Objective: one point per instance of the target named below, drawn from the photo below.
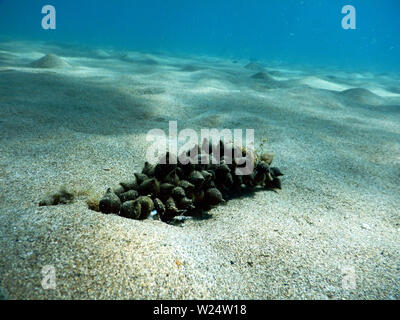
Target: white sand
(339, 206)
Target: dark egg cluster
(174, 187)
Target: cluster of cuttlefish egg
(183, 189)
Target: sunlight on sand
(319, 83)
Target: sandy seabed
(332, 232)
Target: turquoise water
(303, 32)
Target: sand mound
(264, 81)
(262, 75)
(254, 66)
(362, 96)
(50, 61)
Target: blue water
(293, 31)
